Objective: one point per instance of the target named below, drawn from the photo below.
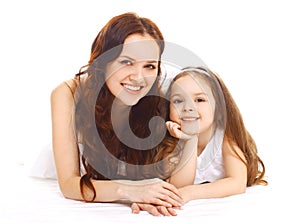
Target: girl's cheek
(174, 115)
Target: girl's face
(131, 75)
(192, 105)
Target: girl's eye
(126, 62)
(177, 101)
(199, 100)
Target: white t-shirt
(210, 166)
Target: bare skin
(136, 70)
(195, 102)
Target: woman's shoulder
(67, 87)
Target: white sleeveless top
(210, 166)
(44, 165)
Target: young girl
(227, 159)
(100, 119)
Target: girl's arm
(67, 163)
(185, 174)
(234, 182)
(182, 177)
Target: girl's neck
(203, 139)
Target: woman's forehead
(140, 47)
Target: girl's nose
(188, 107)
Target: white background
(253, 45)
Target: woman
(100, 119)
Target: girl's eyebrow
(130, 58)
(196, 94)
(201, 93)
(177, 94)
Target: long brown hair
(103, 152)
(227, 116)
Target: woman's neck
(120, 114)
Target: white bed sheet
(34, 200)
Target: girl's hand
(186, 193)
(152, 191)
(154, 210)
(175, 131)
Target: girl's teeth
(132, 88)
(188, 119)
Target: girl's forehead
(189, 84)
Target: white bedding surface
(32, 200)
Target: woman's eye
(150, 66)
(126, 62)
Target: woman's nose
(136, 73)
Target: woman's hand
(154, 210)
(151, 191)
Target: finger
(169, 201)
(151, 209)
(176, 131)
(166, 199)
(172, 211)
(177, 208)
(172, 191)
(135, 208)
(173, 128)
(163, 210)
(160, 201)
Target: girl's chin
(190, 128)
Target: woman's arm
(67, 163)
(234, 182)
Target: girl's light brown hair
(233, 124)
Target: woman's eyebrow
(130, 58)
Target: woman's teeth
(132, 88)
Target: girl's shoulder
(231, 148)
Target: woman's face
(192, 105)
(131, 75)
